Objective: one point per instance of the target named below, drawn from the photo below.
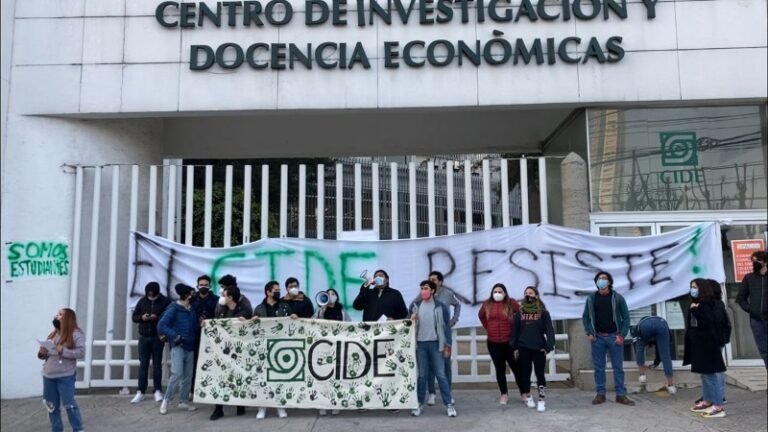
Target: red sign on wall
(742, 251)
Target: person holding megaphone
(329, 307)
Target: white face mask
(332, 298)
(498, 296)
(223, 301)
(293, 291)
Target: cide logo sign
(679, 149)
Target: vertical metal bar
(487, 211)
(189, 210)
(468, 197)
(543, 190)
(92, 263)
(358, 198)
(375, 198)
(283, 200)
(339, 199)
(302, 201)
(74, 282)
(394, 195)
(152, 210)
(208, 212)
(111, 269)
(524, 191)
(450, 197)
(473, 351)
(413, 216)
(177, 200)
(264, 201)
(227, 206)
(504, 193)
(320, 201)
(431, 197)
(127, 353)
(247, 186)
(170, 226)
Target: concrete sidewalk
(567, 410)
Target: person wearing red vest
(496, 315)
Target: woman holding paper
(61, 350)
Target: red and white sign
(742, 252)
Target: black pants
(502, 355)
(538, 359)
(194, 365)
(150, 347)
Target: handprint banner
(307, 363)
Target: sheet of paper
(47, 344)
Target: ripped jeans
(61, 391)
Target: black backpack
(723, 326)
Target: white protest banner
(562, 262)
(280, 362)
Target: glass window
(665, 159)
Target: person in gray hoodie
(60, 369)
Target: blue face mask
(695, 292)
(602, 283)
(379, 280)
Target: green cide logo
(679, 149)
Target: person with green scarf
(532, 338)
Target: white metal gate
(161, 200)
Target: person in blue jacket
(178, 326)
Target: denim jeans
(150, 347)
(606, 344)
(658, 330)
(57, 391)
(448, 374)
(760, 332)
(712, 388)
(430, 359)
(182, 362)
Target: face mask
(695, 292)
(498, 296)
(56, 323)
(425, 295)
(379, 280)
(203, 290)
(332, 299)
(756, 266)
(223, 301)
(293, 291)
(602, 283)
(530, 299)
(152, 296)
(276, 296)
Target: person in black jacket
(204, 304)
(148, 311)
(532, 338)
(300, 305)
(753, 299)
(377, 299)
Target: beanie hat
(183, 290)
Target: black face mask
(203, 291)
(276, 296)
(756, 266)
(56, 324)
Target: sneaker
(261, 413)
(282, 413)
(138, 398)
(714, 413)
(159, 396)
(529, 402)
(164, 407)
(541, 406)
(334, 412)
(642, 378)
(187, 406)
(431, 399)
(217, 413)
(394, 411)
(599, 398)
(671, 389)
(504, 399)
(624, 400)
(416, 412)
(451, 410)
(725, 402)
(701, 407)
(240, 411)
(322, 413)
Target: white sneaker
(671, 389)
(642, 378)
(541, 406)
(164, 407)
(159, 396)
(334, 412)
(416, 412)
(138, 398)
(282, 413)
(322, 413)
(451, 410)
(261, 413)
(431, 399)
(529, 402)
(187, 406)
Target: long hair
(488, 304)
(705, 290)
(66, 329)
(541, 306)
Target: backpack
(722, 326)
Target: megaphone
(322, 298)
